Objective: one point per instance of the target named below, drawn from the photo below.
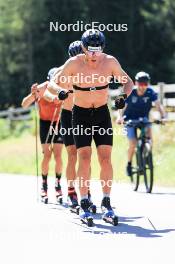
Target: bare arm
(37, 90)
(160, 108)
(122, 77)
(62, 79)
(28, 100)
(40, 88)
(49, 96)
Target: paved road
(31, 232)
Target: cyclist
(138, 105)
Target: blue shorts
(131, 134)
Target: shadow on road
(127, 229)
(158, 193)
(163, 193)
(126, 225)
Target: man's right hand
(120, 101)
(63, 94)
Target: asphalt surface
(32, 232)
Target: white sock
(106, 195)
(84, 197)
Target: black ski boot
(109, 216)
(85, 215)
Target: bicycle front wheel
(148, 171)
(135, 172)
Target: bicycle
(143, 157)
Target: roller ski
(59, 198)
(108, 214)
(58, 191)
(44, 197)
(72, 200)
(92, 207)
(85, 215)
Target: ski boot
(85, 215)
(92, 207)
(108, 214)
(59, 195)
(44, 197)
(72, 200)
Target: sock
(89, 191)
(106, 195)
(129, 163)
(44, 177)
(57, 182)
(58, 176)
(84, 197)
(71, 190)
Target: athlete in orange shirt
(49, 113)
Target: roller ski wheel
(93, 208)
(110, 217)
(87, 219)
(75, 209)
(73, 204)
(44, 199)
(85, 215)
(59, 197)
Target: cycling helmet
(93, 38)
(142, 77)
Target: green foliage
(4, 129)
(15, 128)
(21, 151)
(28, 49)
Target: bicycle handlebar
(142, 123)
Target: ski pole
(57, 123)
(36, 149)
(51, 124)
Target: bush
(4, 129)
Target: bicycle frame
(141, 139)
(144, 163)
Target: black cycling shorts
(92, 123)
(44, 130)
(66, 127)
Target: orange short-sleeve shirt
(47, 110)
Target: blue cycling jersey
(139, 106)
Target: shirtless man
(90, 109)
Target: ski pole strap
(90, 88)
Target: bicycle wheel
(148, 171)
(135, 172)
